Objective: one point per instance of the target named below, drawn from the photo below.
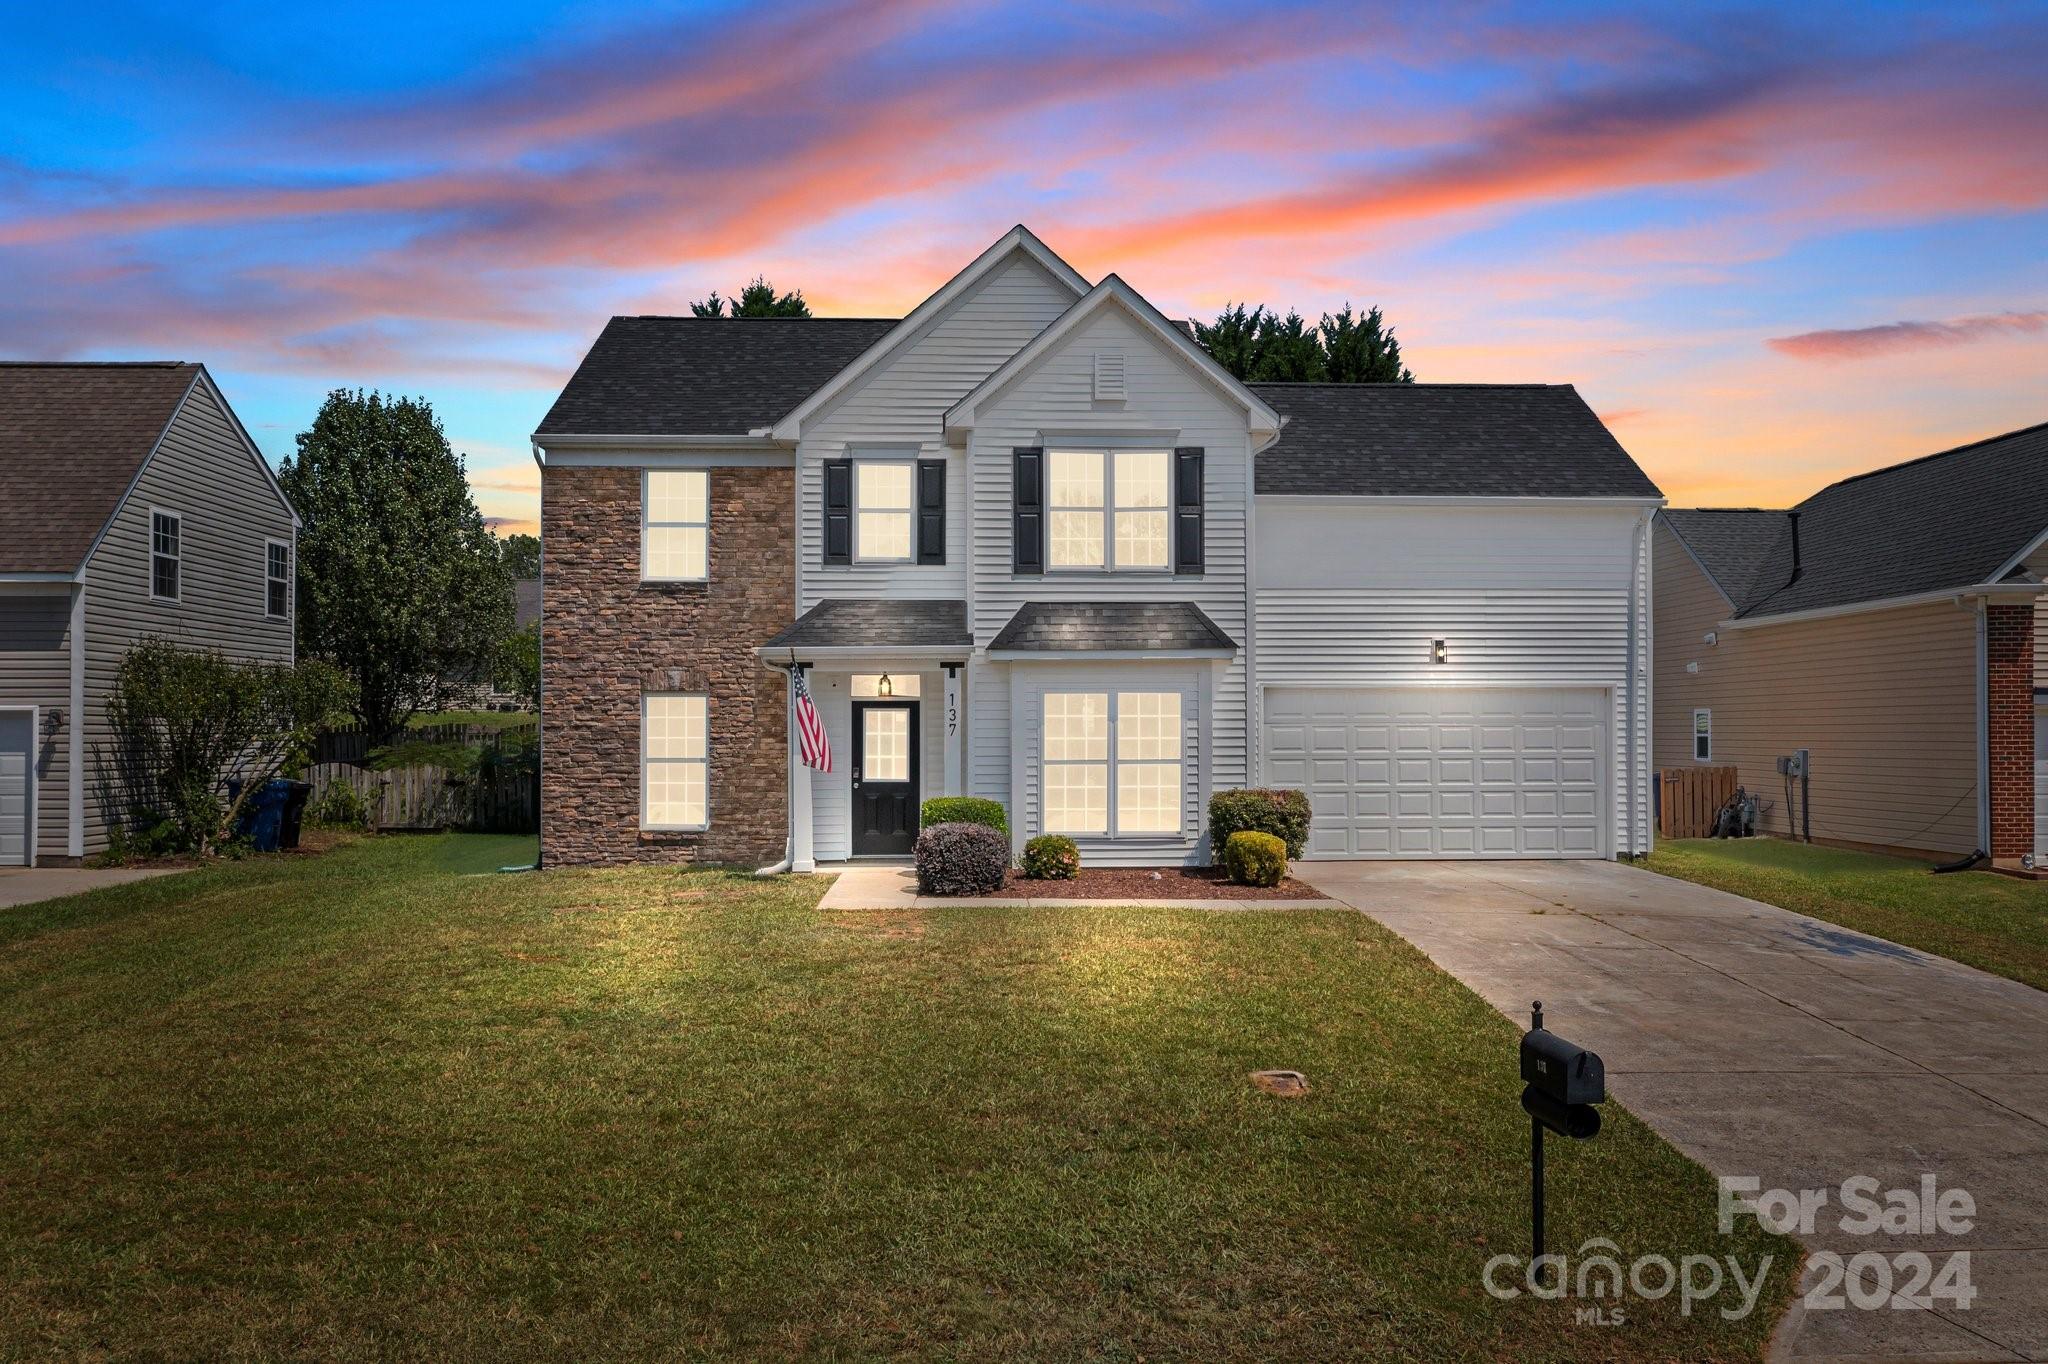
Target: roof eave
(2002, 591)
(1104, 655)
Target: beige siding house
(1885, 626)
(136, 506)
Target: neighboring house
(1887, 625)
(1032, 543)
(135, 505)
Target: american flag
(816, 747)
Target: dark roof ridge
(692, 317)
(1393, 384)
(99, 364)
(1938, 454)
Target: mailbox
(1561, 1071)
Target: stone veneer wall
(2009, 678)
(608, 639)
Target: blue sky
(1771, 245)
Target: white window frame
(647, 523)
(906, 459)
(269, 578)
(1698, 734)
(1109, 509)
(177, 556)
(647, 764)
(1111, 762)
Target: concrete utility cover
(1288, 1084)
(1768, 1045)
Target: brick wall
(2009, 662)
(608, 639)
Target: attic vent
(1109, 376)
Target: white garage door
(1444, 772)
(17, 736)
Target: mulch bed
(1153, 883)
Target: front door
(884, 778)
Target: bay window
(1112, 763)
(675, 526)
(675, 761)
(1109, 508)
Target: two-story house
(132, 505)
(1031, 542)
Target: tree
(1259, 345)
(522, 556)
(401, 586)
(758, 299)
(518, 669)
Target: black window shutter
(1187, 509)
(931, 511)
(838, 511)
(1027, 520)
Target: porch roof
(1111, 627)
(877, 623)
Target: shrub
(1283, 814)
(340, 806)
(1255, 859)
(964, 810)
(961, 859)
(1052, 857)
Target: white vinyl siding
(35, 670)
(230, 510)
(1355, 596)
(675, 525)
(899, 405)
(675, 761)
(1051, 405)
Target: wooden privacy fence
(502, 800)
(1688, 799)
(351, 743)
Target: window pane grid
(277, 571)
(882, 498)
(1109, 509)
(1132, 748)
(675, 748)
(675, 526)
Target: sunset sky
(1770, 245)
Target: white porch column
(800, 856)
(956, 728)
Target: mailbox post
(1561, 1084)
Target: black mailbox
(1561, 1071)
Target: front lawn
(1996, 923)
(385, 1103)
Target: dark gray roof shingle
(1443, 440)
(877, 623)
(1731, 543)
(1947, 520)
(1110, 627)
(704, 376)
(72, 437)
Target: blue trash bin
(262, 820)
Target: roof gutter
(2000, 591)
(751, 440)
(1450, 500)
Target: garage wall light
(1437, 653)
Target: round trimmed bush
(964, 810)
(1052, 857)
(1277, 811)
(1255, 859)
(961, 859)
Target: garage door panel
(1452, 773)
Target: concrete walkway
(26, 885)
(892, 885)
(1767, 1044)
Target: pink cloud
(1856, 343)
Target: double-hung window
(675, 526)
(883, 499)
(675, 761)
(1109, 509)
(1703, 736)
(166, 539)
(277, 578)
(1112, 762)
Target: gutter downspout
(1983, 725)
(1631, 679)
(788, 790)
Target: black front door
(884, 778)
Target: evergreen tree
(401, 585)
(522, 556)
(1289, 350)
(1233, 338)
(758, 299)
(1259, 345)
(1362, 351)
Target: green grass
(374, 1104)
(1996, 923)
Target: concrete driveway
(1767, 1044)
(26, 885)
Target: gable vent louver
(1109, 376)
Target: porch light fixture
(1437, 653)
(885, 687)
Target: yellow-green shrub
(1255, 859)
